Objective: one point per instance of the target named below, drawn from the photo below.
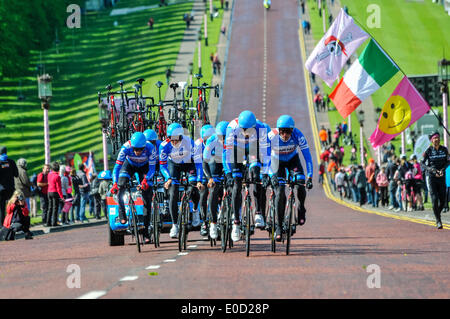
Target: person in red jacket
(55, 195)
(17, 218)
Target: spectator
(321, 172)
(187, 18)
(17, 218)
(302, 4)
(55, 195)
(371, 182)
(75, 209)
(383, 183)
(418, 183)
(325, 156)
(329, 136)
(84, 192)
(34, 194)
(318, 101)
(390, 172)
(22, 181)
(353, 188)
(150, 23)
(323, 136)
(105, 186)
(361, 183)
(95, 184)
(168, 75)
(211, 58)
(332, 169)
(340, 182)
(8, 171)
(42, 183)
(223, 30)
(66, 191)
(217, 62)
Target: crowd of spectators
(62, 191)
(397, 184)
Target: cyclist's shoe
(28, 235)
(196, 219)
(204, 230)
(213, 231)
(174, 231)
(301, 218)
(236, 232)
(259, 221)
(278, 234)
(293, 229)
(439, 225)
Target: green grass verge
(91, 57)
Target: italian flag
(366, 75)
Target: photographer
(435, 161)
(17, 218)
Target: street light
(360, 116)
(45, 95)
(444, 76)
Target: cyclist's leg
(296, 171)
(279, 169)
(257, 191)
(236, 196)
(147, 196)
(174, 171)
(124, 176)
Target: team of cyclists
(243, 150)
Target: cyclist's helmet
(174, 129)
(285, 121)
(247, 120)
(105, 175)
(221, 128)
(150, 135)
(138, 140)
(206, 131)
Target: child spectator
(383, 183)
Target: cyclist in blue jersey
(246, 141)
(213, 156)
(284, 141)
(205, 132)
(176, 155)
(135, 156)
(152, 137)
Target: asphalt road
(338, 253)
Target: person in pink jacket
(55, 195)
(383, 183)
(418, 183)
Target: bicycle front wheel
(247, 228)
(155, 221)
(289, 227)
(136, 229)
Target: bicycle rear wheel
(224, 226)
(272, 228)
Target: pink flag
(404, 107)
(334, 49)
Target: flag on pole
(366, 75)
(334, 49)
(404, 107)
(90, 166)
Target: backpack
(35, 190)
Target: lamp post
(103, 117)
(443, 71)
(199, 52)
(45, 95)
(360, 115)
(206, 28)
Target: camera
(20, 198)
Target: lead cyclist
(285, 141)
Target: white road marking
(265, 69)
(153, 267)
(183, 254)
(170, 260)
(129, 278)
(93, 295)
(192, 246)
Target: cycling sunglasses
(138, 149)
(286, 131)
(175, 138)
